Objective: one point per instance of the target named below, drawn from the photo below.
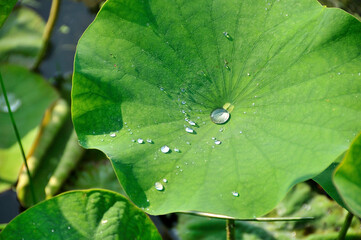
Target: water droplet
(140, 141)
(226, 34)
(161, 88)
(133, 140)
(14, 103)
(188, 143)
(236, 194)
(213, 138)
(189, 130)
(52, 230)
(253, 104)
(191, 123)
(184, 102)
(165, 149)
(248, 74)
(177, 150)
(219, 116)
(68, 227)
(158, 186)
(226, 65)
(165, 180)
(217, 142)
(113, 135)
(149, 140)
(104, 221)
(240, 132)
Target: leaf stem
(345, 226)
(230, 228)
(18, 139)
(54, 10)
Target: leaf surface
(21, 37)
(347, 177)
(92, 214)
(5, 8)
(288, 69)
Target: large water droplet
(219, 116)
(165, 149)
(158, 186)
(140, 141)
(14, 103)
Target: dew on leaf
(165, 149)
(165, 180)
(236, 194)
(191, 123)
(219, 116)
(184, 102)
(140, 141)
(104, 221)
(177, 150)
(189, 130)
(112, 134)
(158, 186)
(149, 140)
(226, 34)
(217, 142)
(14, 103)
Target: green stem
(18, 138)
(54, 10)
(345, 226)
(230, 228)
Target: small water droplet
(112, 134)
(68, 227)
(189, 130)
(219, 116)
(165, 149)
(213, 138)
(165, 180)
(217, 142)
(140, 141)
(104, 221)
(226, 34)
(158, 186)
(253, 104)
(236, 194)
(161, 88)
(248, 74)
(149, 140)
(133, 140)
(177, 150)
(240, 132)
(184, 102)
(52, 230)
(14, 103)
(191, 123)
(188, 143)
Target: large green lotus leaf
(289, 69)
(29, 97)
(21, 37)
(347, 177)
(5, 8)
(91, 214)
